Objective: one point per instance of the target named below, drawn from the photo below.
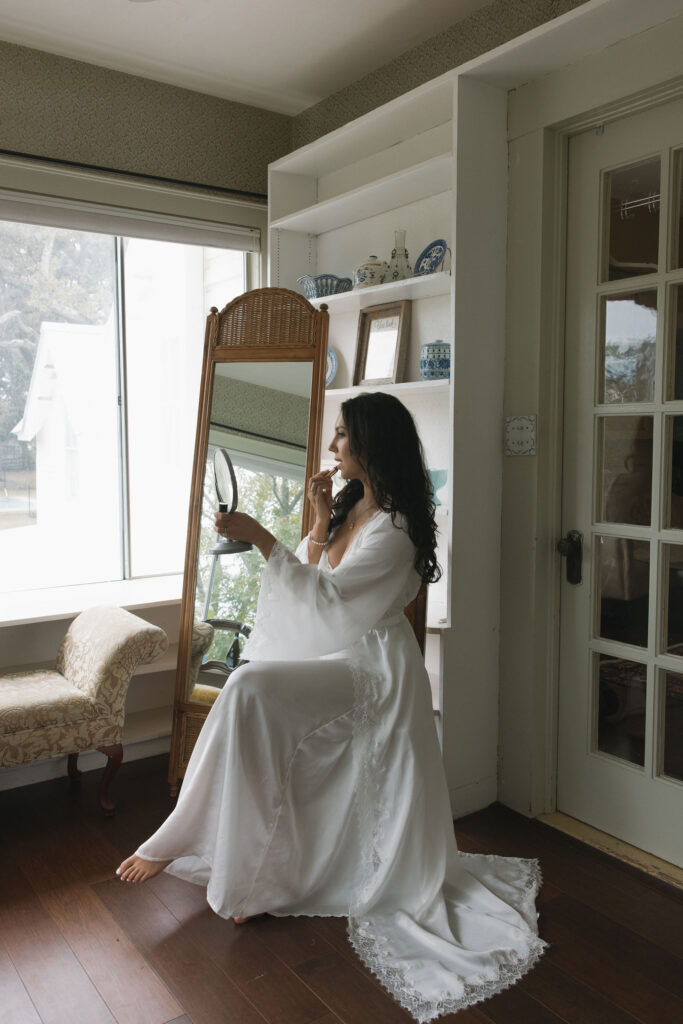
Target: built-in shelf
(424, 287)
(415, 387)
(332, 191)
(408, 115)
(429, 178)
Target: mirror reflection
(259, 415)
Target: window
(271, 490)
(101, 340)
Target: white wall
(470, 648)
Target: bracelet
(318, 543)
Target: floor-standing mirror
(261, 402)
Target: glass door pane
(673, 476)
(622, 688)
(628, 335)
(625, 469)
(623, 570)
(674, 390)
(673, 598)
(632, 223)
(672, 761)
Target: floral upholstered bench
(80, 704)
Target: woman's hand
(320, 496)
(240, 526)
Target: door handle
(571, 548)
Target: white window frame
(43, 193)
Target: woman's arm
(305, 612)
(240, 526)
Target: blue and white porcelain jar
(435, 360)
(373, 271)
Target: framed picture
(382, 343)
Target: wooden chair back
(416, 613)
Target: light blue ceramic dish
(331, 369)
(324, 284)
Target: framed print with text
(382, 343)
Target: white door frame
(543, 116)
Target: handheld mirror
(226, 489)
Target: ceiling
(283, 55)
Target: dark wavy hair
(384, 440)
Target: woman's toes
(136, 869)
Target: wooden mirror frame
(264, 325)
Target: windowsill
(27, 606)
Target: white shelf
(410, 114)
(423, 287)
(429, 178)
(343, 182)
(413, 387)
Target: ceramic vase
(399, 267)
(373, 271)
(435, 360)
(438, 478)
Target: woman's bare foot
(243, 920)
(135, 869)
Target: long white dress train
(317, 788)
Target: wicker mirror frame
(264, 325)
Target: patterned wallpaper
(260, 410)
(67, 110)
(487, 28)
(72, 111)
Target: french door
(620, 753)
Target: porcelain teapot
(372, 271)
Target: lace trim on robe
(367, 941)
(371, 947)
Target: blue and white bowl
(435, 360)
(323, 284)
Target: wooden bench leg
(114, 755)
(72, 767)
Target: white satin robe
(317, 788)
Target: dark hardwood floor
(79, 947)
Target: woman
(316, 786)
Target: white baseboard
(473, 797)
(146, 733)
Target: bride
(316, 786)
